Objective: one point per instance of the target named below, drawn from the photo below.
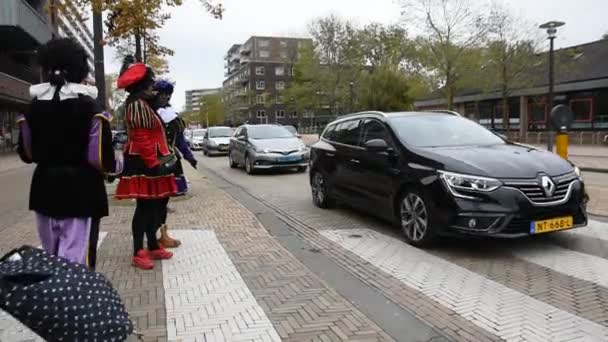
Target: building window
(279, 71)
(280, 114)
(260, 99)
(283, 54)
(264, 54)
(279, 99)
(283, 44)
(261, 113)
(260, 71)
(294, 114)
(260, 85)
(537, 110)
(582, 109)
(280, 85)
(264, 43)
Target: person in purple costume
(174, 129)
(67, 193)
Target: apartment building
(71, 25)
(257, 72)
(24, 26)
(194, 97)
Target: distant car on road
(217, 140)
(437, 174)
(265, 147)
(196, 139)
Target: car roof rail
(445, 111)
(361, 113)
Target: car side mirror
(376, 145)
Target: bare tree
(511, 46)
(449, 29)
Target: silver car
(196, 139)
(217, 140)
(265, 147)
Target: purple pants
(67, 237)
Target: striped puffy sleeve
(138, 114)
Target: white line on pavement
(569, 262)
(595, 229)
(494, 307)
(205, 296)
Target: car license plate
(223, 147)
(287, 159)
(546, 226)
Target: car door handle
(355, 161)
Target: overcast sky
(200, 42)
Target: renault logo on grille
(547, 185)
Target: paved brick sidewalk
(10, 161)
(299, 305)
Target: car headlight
(261, 150)
(458, 183)
(302, 148)
(578, 172)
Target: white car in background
(196, 139)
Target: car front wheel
(416, 218)
(231, 162)
(320, 195)
(248, 165)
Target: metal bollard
(561, 143)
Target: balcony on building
(246, 49)
(245, 60)
(23, 24)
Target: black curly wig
(63, 60)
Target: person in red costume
(148, 163)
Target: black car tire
(320, 191)
(249, 166)
(231, 162)
(415, 207)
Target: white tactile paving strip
(579, 265)
(205, 296)
(594, 229)
(494, 307)
(12, 330)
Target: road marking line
(575, 264)
(595, 229)
(494, 307)
(205, 296)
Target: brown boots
(167, 241)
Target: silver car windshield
(269, 132)
(220, 132)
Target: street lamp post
(551, 28)
(351, 85)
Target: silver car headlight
(578, 172)
(261, 150)
(302, 148)
(458, 183)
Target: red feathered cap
(135, 73)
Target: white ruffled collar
(168, 114)
(45, 91)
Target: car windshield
(198, 133)
(442, 131)
(291, 129)
(269, 132)
(220, 132)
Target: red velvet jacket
(146, 134)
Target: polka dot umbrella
(60, 300)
